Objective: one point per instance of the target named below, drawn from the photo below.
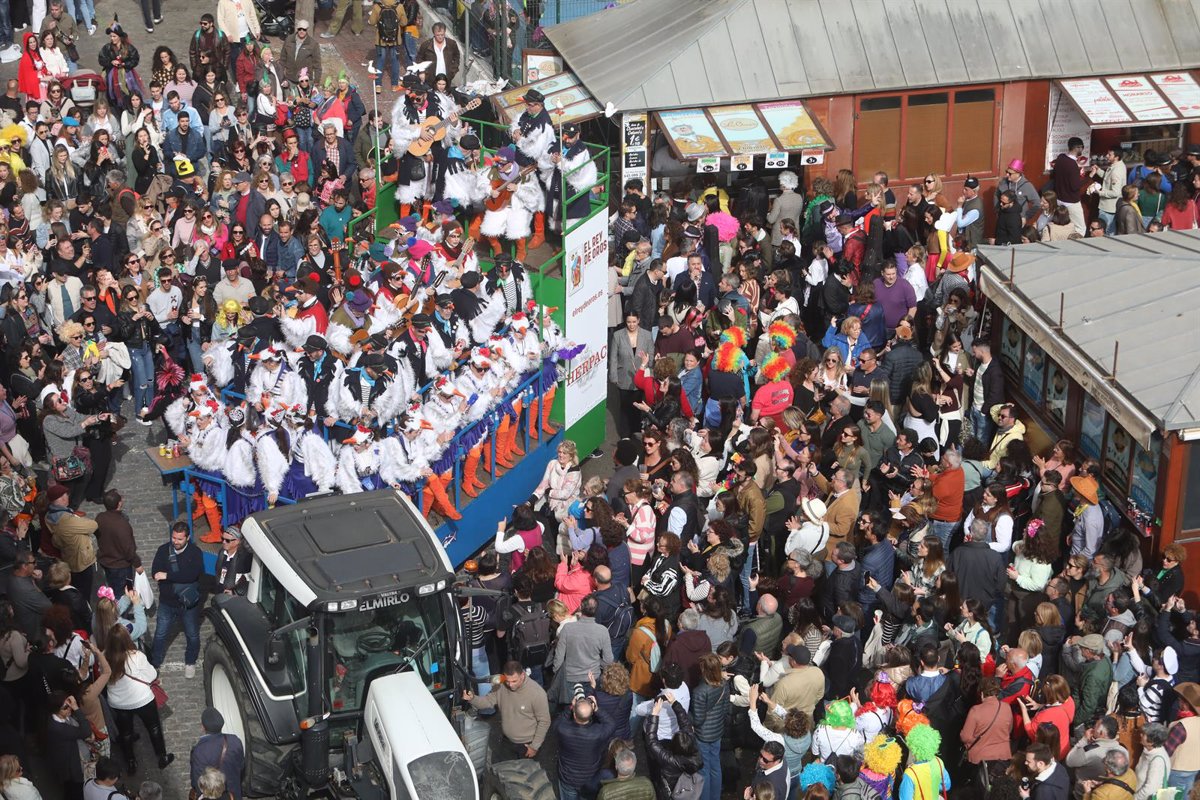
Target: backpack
(620, 622)
(1112, 517)
(388, 28)
(688, 787)
(531, 634)
(655, 650)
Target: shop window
(1033, 375)
(1012, 346)
(878, 134)
(909, 136)
(973, 147)
(1118, 450)
(1058, 384)
(1091, 427)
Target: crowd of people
(826, 546)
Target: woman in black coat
(68, 726)
(91, 398)
(670, 758)
(662, 579)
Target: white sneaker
(10, 54)
(91, 30)
(327, 35)
(189, 671)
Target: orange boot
(539, 232)
(426, 207)
(503, 451)
(212, 512)
(405, 210)
(521, 254)
(473, 229)
(471, 483)
(486, 446)
(436, 486)
(547, 407)
(514, 439)
(495, 245)
(197, 505)
(532, 425)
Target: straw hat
(815, 510)
(1087, 488)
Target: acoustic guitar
(504, 190)
(421, 147)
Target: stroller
(275, 17)
(84, 88)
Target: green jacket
(638, 787)
(1091, 694)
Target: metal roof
(1142, 291)
(655, 54)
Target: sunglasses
(85, 378)
(228, 539)
(156, 228)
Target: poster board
(564, 88)
(793, 125)
(691, 133)
(635, 138)
(1063, 122)
(1092, 97)
(538, 64)
(585, 273)
(1137, 93)
(742, 129)
(1181, 90)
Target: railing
(188, 487)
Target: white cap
(302, 23)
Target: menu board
(792, 125)
(1118, 450)
(1140, 97)
(1181, 89)
(1095, 101)
(691, 133)
(1091, 427)
(742, 129)
(562, 90)
(1064, 121)
(1144, 486)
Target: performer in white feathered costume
(205, 444)
(512, 218)
(177, 413)
(476, 384)
(365, 464)
(415, 175)
(245, 493)
(274, 381)
(533, 134)
(447, 339)
(273, 450)
(571, 160)
(229, 363)
(453, 255)
(505, 374)
(366, 392)
(445, 413)
(422, 447)
(466, 184)
(313, 466)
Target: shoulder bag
(160, 694)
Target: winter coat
(581, 748)
(709, 710)
(670, 765)
(685, 650)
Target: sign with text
(743, 163)
(585, 270)
(1063, 122)
(634, 158)
(708, 164)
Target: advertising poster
(1091, 427)
(1140, 97)
(1144, 487)
(585, 271)
(742, 128)
(634, 139)
(792, 125)
(1118, 450)
(1064, 122)
(1093, 99)
(1011, 340)
(1034, 374)
(691, 133)
(1056, 393)
(1181, 89)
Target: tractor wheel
(523, 779)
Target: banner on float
(585, 272)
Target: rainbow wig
(817, 772)
(882, 755)
(781, 334)
(839, 714)
(775, 367)
(923, 743)
(735, 335)
(729, 356)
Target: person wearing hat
(1090, 690)
(369, 462)
(72, 533)
(810, 534)
(533, 136)
(307, 317)
(969, 214)
(313, 465)
(803, 685)
(274, 382)
(118, 57)
(233, 563)
(572, 159)
(204, 438)
(454, 254)
(366, 391)
(222, 751)
(1089, 517)
(317, 369)
(512, 200)
(417, 179)
(1027, 197)
(352, 317)
(512, 281)
(299, 52)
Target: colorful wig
(883, 691)
(923, 742)
(818, 773)
(882, 755)
(729, 357)
(839, 714)
(735, 335)
(775, 367)
(782, 335)
(907, 716)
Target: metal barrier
(189, 488)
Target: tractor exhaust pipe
(314, 730)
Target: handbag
(20, 450)
(160, 694)
(67, 469)
(689, 786)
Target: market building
(1097, 339)
(909, 88)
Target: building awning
(1151, 316)
(1123, 101)
(563, 89)
(742, 129)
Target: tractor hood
(414, 742)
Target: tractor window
(281, 609)
(407, 634)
